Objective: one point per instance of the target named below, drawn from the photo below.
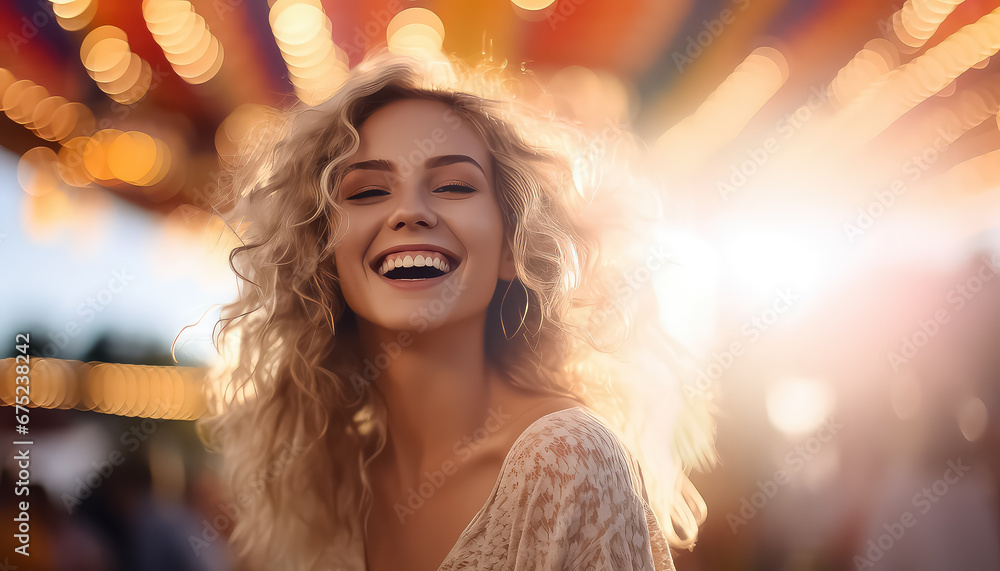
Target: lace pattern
(569, 496)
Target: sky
(113, 269)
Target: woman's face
(424, 242)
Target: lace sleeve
(580, 505)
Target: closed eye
(461, 188)
(366, 193)
(456, 187)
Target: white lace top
(569, 496)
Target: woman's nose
(412, 208)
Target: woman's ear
(506, 269)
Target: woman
(424, 291)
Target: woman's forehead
(413, 130)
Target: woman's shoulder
(529, 420)
(572, 442)
(573, 423)
(571, 487)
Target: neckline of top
(503, 467)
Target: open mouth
(415, 266)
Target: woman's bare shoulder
(519, 412)
(557, 421)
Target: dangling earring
(523, 315)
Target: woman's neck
(436, 386)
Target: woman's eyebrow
(442, 160)
(433, 162)
(374, 164)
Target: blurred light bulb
(798, 406)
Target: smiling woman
(430, 312)
(445, 207)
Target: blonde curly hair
(290, 377)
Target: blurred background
(831, 176)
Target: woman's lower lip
(417, 284)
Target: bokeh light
(108, 58)
(973, 419)
(799, 406)
(317, 67)
(36, 171)
(195, 54)
(74, 15)
(532, 4)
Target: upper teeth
(410, 259)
